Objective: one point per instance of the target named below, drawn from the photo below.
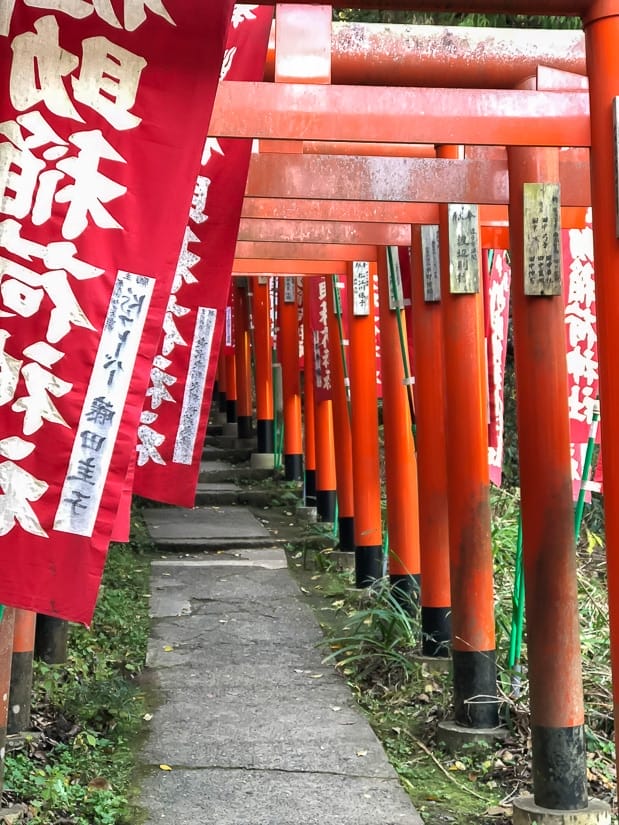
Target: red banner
(497, 291)
(321, 349)
(581, 335)
(101, 129)
(580, 328)
(174, 419)
(376, 297)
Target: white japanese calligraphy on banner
(39, 168)
(194, 387)
(174, 416)
(100, 419)
(94, 110)
(498, 286)
(134, 11)
(319, 321)
(580, 326)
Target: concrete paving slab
(244, 736)
(224, 797)
(225, 584)
(188, 634)
(233, 698)
(255, 726)
(210, 528)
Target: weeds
(89, 710)
(373, 645)
(382, 636)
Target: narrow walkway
(256, 730)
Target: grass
(90, 710)
(373, 643)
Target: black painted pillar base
(559, 767)
(368, 564)
(50, 644)
(346, 532)
(293, 467)
(246, 426)
(223, 402)
(476, 703)
(406, 590)
(435, 631)
(231, 414)
(326, 504)
(310, 488)
(20, 695)
(265, 435)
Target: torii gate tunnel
(347, 170)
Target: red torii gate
(312, 122)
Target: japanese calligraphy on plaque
(463, 249)
(361, 288)
(542, 239)
(431, 263)
(396, 293)
(290, 290)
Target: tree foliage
(512, 21)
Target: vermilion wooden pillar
(326, 482)
(341, 425)
(468, 487)
(291, 389)
(21, 671)
(364, 425)
(309, 422)
(231, 396)
(400, 458)
(6, 645)
(242, 355)
(602, 37)
(221, 382)
(325, 479)
(549, 553)
(427, 323)
(263, 366)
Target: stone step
(229, 442)
(221, 493)
(206, 529)
(223, 471)
(234, 455)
